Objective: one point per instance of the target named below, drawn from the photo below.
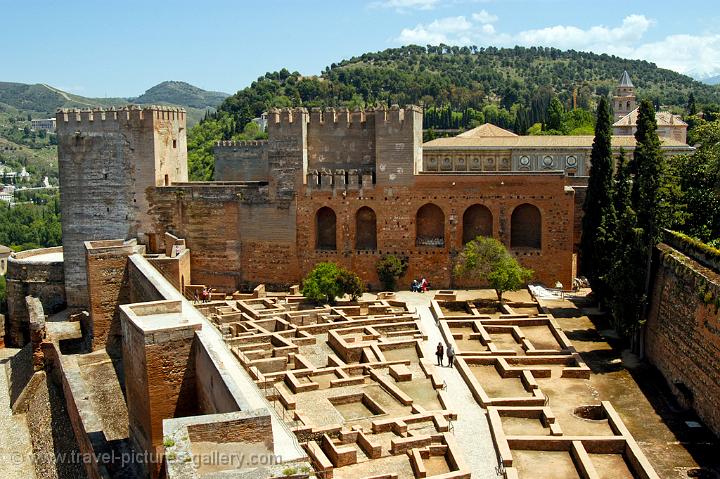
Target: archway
(365, 229)
(430, 226)
(526, 227)
(325, 229)
(477, 221)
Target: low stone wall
(37, 273)
(682, 337)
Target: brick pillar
(159, 371)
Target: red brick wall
(682, 337)
(240, 238)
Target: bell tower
(624, 99)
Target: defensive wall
(682, 337)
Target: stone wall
(107, 289)
(37, 273)
(682, 336)
(241, 161)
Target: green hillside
(181, 93)
(459, 87)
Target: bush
(389, 269)
(327, 281)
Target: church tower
(624, 99)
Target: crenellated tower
(107, 161)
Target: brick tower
(107, 160)
(624, 99)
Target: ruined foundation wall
(26, 276)
(682, 336)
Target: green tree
(351, 284)
(389, 269)
(487, 259)
(691, 105)
(598, 202)
(328, 281)
(555, 114)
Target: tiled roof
(541, 141)
(663, 118)
(625, 79)
(486, 130)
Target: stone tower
(624, 99)
(107, 161)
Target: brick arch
(365, 228)
(430, 226)
(526, 227)
(325, 229)
(477, 221)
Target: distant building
(626, 112)
(47, 124)
(4, 254)
(261, 121)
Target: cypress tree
(598, 200)
(648, 166)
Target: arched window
(430, 226)
(365, 229)
(526, 227)
(628, 105)
(477, 221)
(325, 229)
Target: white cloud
(697, 55)
(484, 17)
(439, 31)
(631, 30)
(406, 4)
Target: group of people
(440, 352)
(419, 286)
(205, 295)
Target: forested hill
(464, 77)
(458, 86)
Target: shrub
(327, 281)
(389, 269)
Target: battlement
(76, 117)
(342, 117)
(326, 179)
(240, 144)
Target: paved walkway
(472, 431)
(15, 444)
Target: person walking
(450, 355)
(423, 285)
(439, 352)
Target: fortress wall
(340, 139)
(237, 235)
(682, 335)
(241, 161)
(396, 225)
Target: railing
(500, 468)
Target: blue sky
(121, 48)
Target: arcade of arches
(477, 220)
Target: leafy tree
(328, 281)
(598, 202)
(487, 259)
(555, 115)
(351, 284)
(698, 177)
(389, 269)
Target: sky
(120, 48)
